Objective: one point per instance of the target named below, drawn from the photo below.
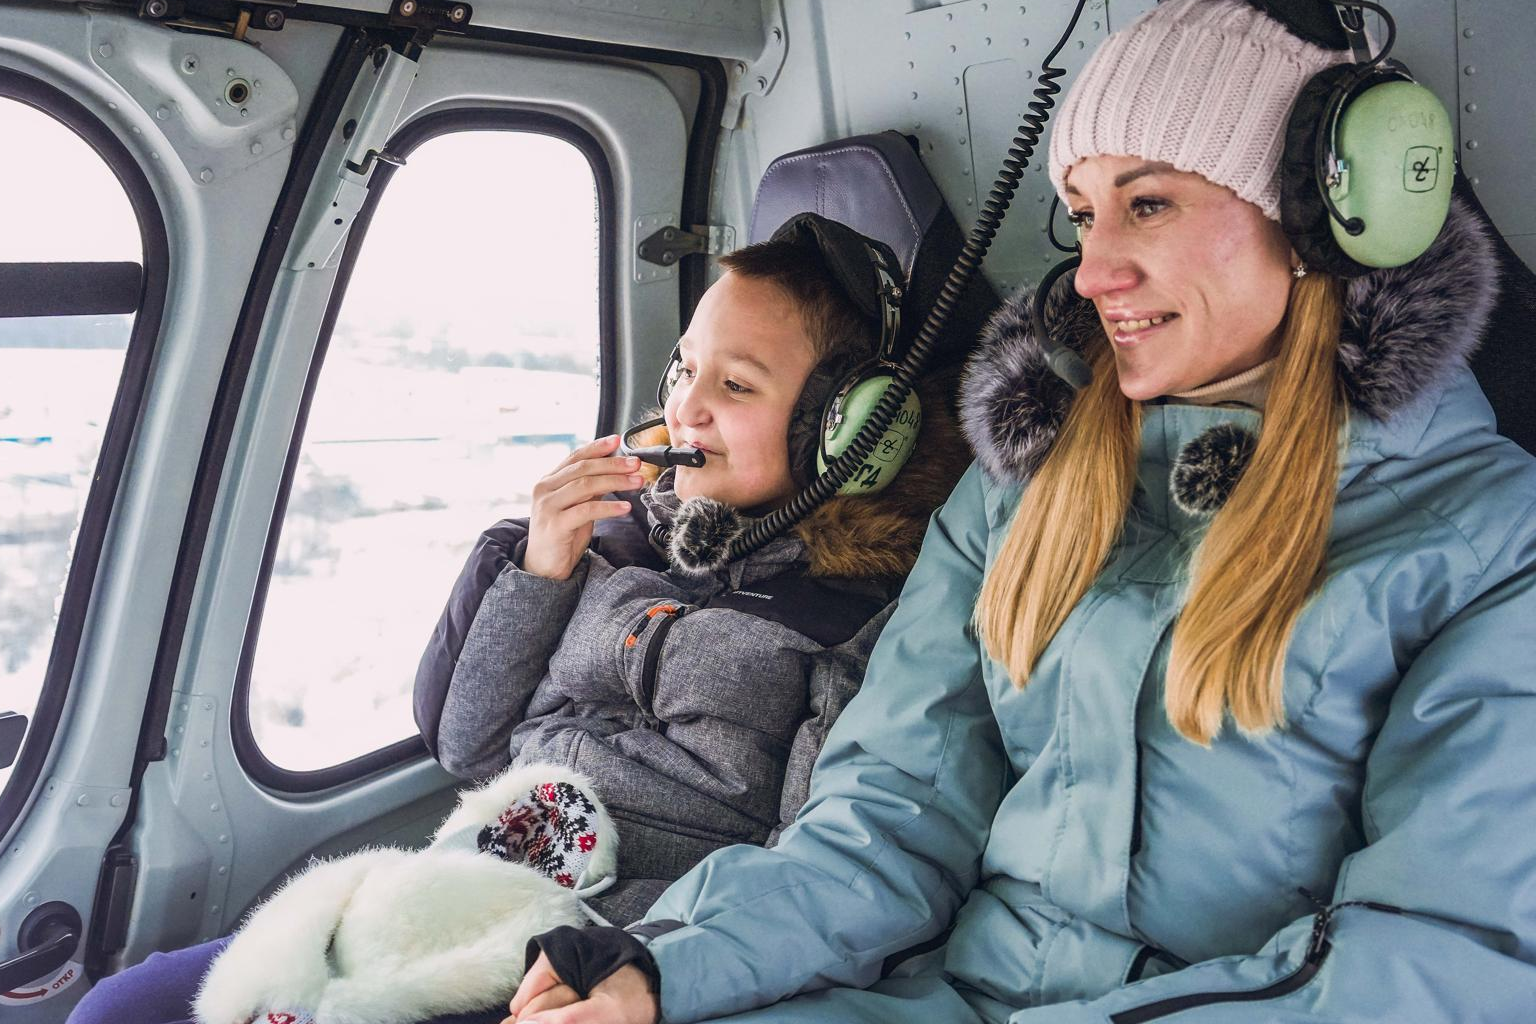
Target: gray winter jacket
(696, 703)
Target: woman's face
(1162, 244)
(745, 359)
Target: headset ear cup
(1302, 213)
(859, 397)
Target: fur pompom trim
(1209, 466)
(701, 535)
(1405, 331)
(1012, 404)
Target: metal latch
(369, 117)
(667, 245)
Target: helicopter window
(462, 365)
(60, 371)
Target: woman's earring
(1299, 271)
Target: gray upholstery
(875, 184)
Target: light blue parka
(1079, 859)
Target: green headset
(868, 273)
(1369, 157)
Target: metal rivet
(105, 49)
(255, 149)
(1471, 108)
(82, 801)
(207, 776)
(407, 7)
(1468, 33)
(949, 17)
(117, 800)
(185, 706)
(189, 64)
(205, 176)
(224, 839)
(988, 40)
(161, 113)
(1471, 69)
(214, 808)
(962, 140)
(1026, 40)
(1471, 143)
(223, 870)
(762, 84)
(914, 95)
(778, 33)
(202, 743)
(952, 47)
(31, 897)
(288, 134)
(906, 35)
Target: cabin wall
(957, 77)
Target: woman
(1141, 741)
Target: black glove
(583, 957)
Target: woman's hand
(624, 997)
(564, 506)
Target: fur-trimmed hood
(847, 537)
(1406, 332)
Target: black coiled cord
(904, 378)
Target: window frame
(117, 438)
(413, 135)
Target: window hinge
(667, 245)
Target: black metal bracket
(428, 17)
(666, 246)
(234, 16)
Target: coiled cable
(904, 377)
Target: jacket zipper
(1317, 951)
(664, 623)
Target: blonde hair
(1260, 559)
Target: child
(610, 642)
(685, 685)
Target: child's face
(745, 358)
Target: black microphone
(1064, 362)
(659, 454)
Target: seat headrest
(1505, 363)
(876, 185)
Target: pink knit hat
(1204, 85)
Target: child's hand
(623, 997)
(564, 508)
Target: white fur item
(395, 937)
